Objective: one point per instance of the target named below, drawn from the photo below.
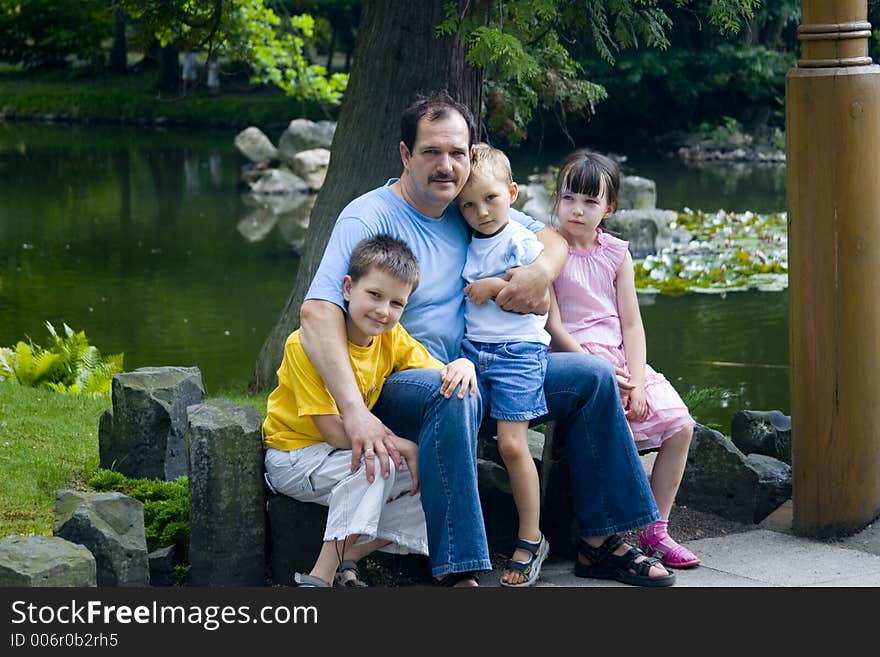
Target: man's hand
(527, 291)
(482, 290)
(410, 453)
(370, 439)
(460, 371)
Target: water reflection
(145, 240)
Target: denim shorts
(511, 376)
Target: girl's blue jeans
(610, 489)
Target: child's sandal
(531, 568)
(348, 566)
(625, 568)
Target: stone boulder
(637, 193)
(255, 146)
(302, 135)
(296, 532)
(762, 432)
(162, 564)
(278, 181)
(227, 510)
(111, 526)
(37, 561)
(143, 434)
(647, 231)
(720, 479)
(311, 165)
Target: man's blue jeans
(611, 492)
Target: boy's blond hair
(488, 162)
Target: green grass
(132, 98)
(49, 441)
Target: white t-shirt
(513, 246)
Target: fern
(70, 365)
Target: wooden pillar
(833, 175)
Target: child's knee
(513, 445)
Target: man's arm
(323, 336)
(528, 287)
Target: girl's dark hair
(583, 171)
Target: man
(436, 138)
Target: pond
(133, 236)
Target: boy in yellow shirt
(308, 454)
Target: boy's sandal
(604, 564)
(349, 566)
(449, 580)
(310, 581)
(531, 568)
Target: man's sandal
(310, 581)
(531, 568)
(341, 579)
(449, 580)
(604, 564)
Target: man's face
(439, 163)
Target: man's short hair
(433, 107)
(488, 162)
(387, 254)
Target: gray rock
(162, 564)
(637, 193)
(257, 224)
(720, 479)
(647, 231)
(293, 225)
(762, 432)
(37, 561)
(311, 165)
(278, 181)
(302, 135)
(296, 532)
(255, 146)
(226, 495)
(143, 434)
(111, 526)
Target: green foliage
(729, 131)
(696, 397)
(527, 67)
(166, 506)
(70, 364)
(276, 46)
(39, 33)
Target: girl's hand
(460, 371)
(638, 404)
(410, 453)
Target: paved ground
(767, 556)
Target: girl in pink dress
(596, 310)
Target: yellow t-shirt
(301, 392)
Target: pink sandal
(669, 552)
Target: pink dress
(587, 298)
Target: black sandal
(349, 566)
(604, 564)
(451, 579)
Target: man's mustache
(442, 178)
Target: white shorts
(383, 509)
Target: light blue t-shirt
(487, 257)
(435, 313)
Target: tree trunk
(169, 69)
(119, 50)
(396, 57)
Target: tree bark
(119, 51)
(397, 56)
